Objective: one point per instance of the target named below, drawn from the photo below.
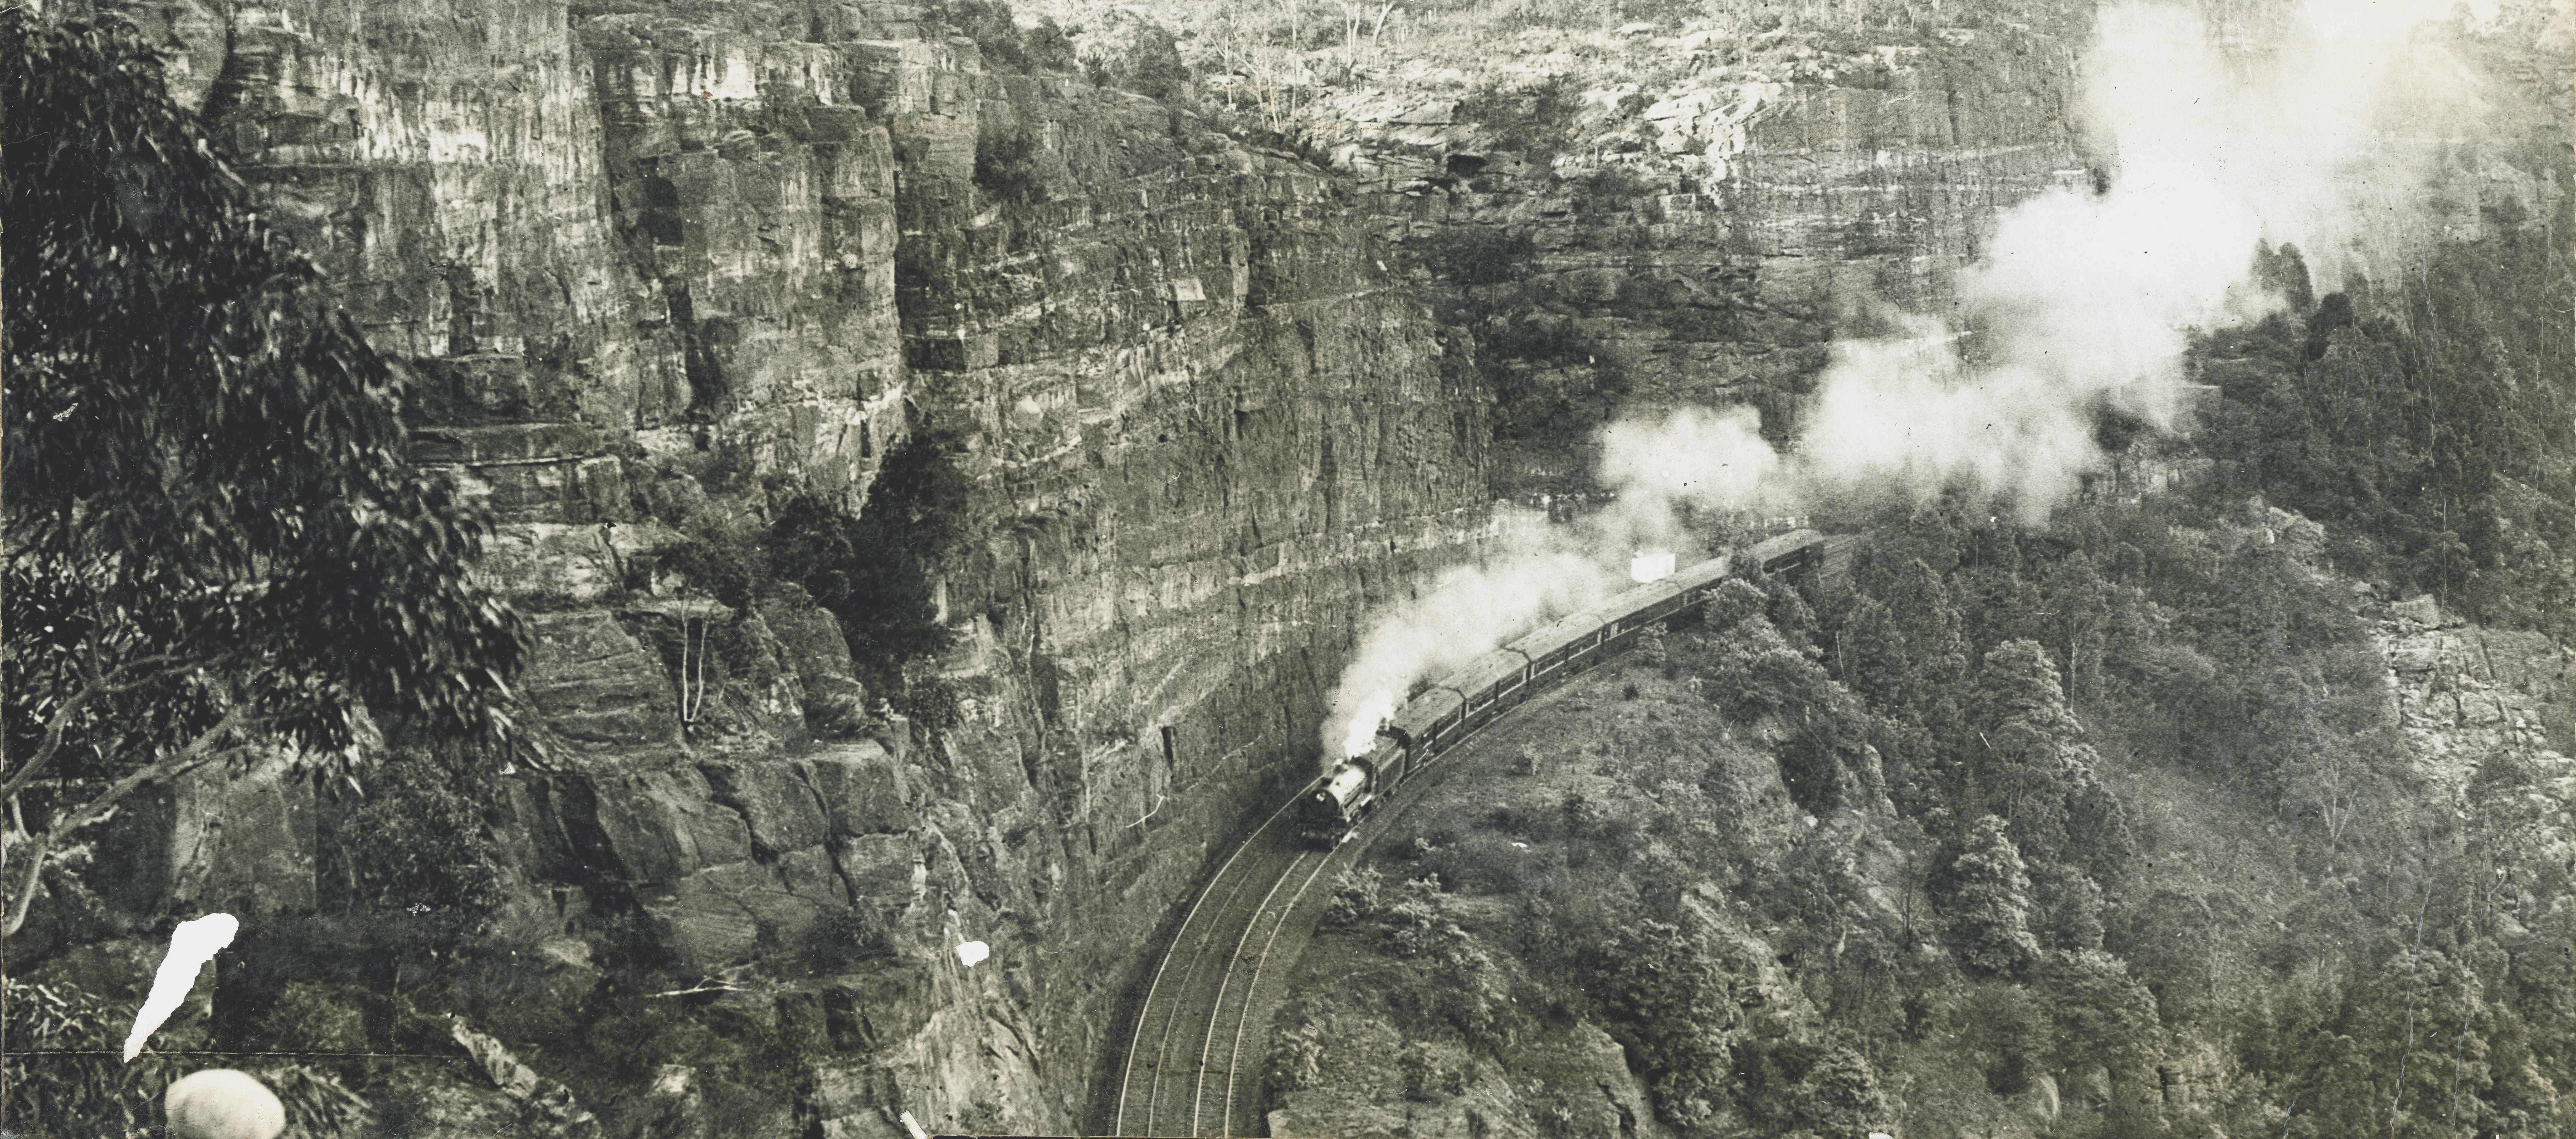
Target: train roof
(1476, 674)
(1558, 633)
(1694, 576)
(1764, 552)
(1633, 600)
(1419, 713)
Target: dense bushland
(2426, 422)
(216, 553)
(2117, 812)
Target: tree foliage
(875, 569)
(214, 538)
(1670, 994)
(2427, 422)
(1990, 913)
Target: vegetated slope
(2426, 420)
(2143, 822)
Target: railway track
(1194, 1057)
(1196, 1048)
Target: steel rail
(1144, 1011)
(1252, 988)
(1234, 887)
(1199, 966)
(1225, 979)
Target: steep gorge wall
(650, 266)
(1662, 216)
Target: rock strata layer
(646, 265)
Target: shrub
(1479, 255)
(1296, 1061)
(1804, 1085)
(50, 1096)
(1354, 899)
(1124, 49)
(719, 562)
(416, 836)
(1007, 165)
(873, 570)
(311, 1017)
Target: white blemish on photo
(193, 944)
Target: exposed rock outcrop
(646, 265)
(2465, 693)
(1636, 221)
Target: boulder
(243, 844)
(775, 798)
(884, 871)
(727, 913)
(599, 692)
(810, 642)
(880, 1003)
(2423, 611)
(862, 789)
(705, 919)
(662, 825)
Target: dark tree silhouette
(1991, 913)
(215, 543)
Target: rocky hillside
(1158, 363)
(1629, 912)
(1655, 206)
(651, 271)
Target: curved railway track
(1194, 1055)
(1199, 1038)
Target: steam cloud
(2083, 301)
(1465, 614)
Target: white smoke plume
(2080, 301)
(1714, 459)
(1539, 574)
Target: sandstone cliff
(652, 265)
(1681, 209)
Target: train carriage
(1490, 684)
(1699, 581)
(1648, 604)
(1484, 688)
(1549, 647)
(1426, 726)
(1792, 552)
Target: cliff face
(1642, 219)
(648, 265)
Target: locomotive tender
(1330, 809)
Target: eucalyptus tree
(214, 543)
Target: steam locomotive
(1329, 811)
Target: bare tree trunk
(199, 752)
